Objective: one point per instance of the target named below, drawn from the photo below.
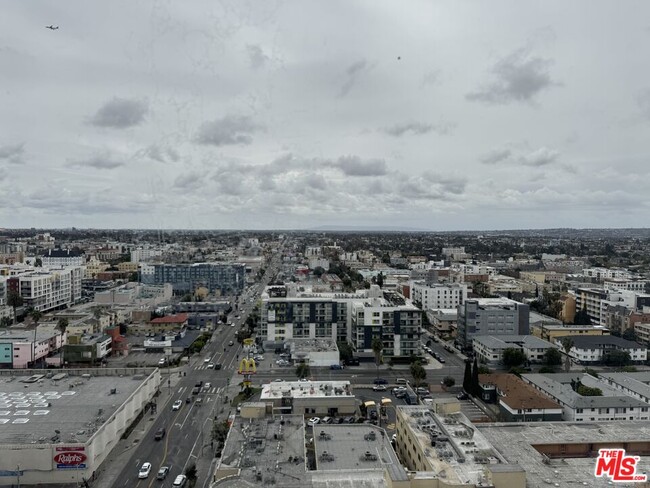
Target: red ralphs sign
(70, 458)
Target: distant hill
(364, 228)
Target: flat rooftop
(268, 451)
(305, 389)
(356, 447)
(514, 441)
(461, 463)
(76, 406)
(311, 345)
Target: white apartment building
(623, 284)
(614, 404)
(437, 295)
(642, 333)
(50, 288)
(454, 252)
(489, 349)
(591, 349)
(63, 257)
(606, 273)
(140, 255)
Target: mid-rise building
(489, 349)
(223, 278)
(642, 332)
(600, 274)
(48, 288)
(622, 284)
(63, 257)
(491, 316)
(438, 295)
(141, 255)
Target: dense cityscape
(223, 358)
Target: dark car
(349, 420)
(160, 433)
(381, 381)
(217, 366)
(336, 366)
(462, 396)
(352, 362)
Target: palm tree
(14, 300)
(567, 345)
(62, 325)
(36, 316)
(377, 347)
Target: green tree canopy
(418, 372)
(552, 357)
(448, 381)
(345, 351)
(617, 358)
(302, 370)
(589, 391)
(513, 357)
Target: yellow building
(568, 311)
(551, 332)
(94, 267)
(468, 458)
(128, 267)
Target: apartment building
(489, 349)
(142, 255)
(593, 349)
(550, 332)
(21, 349)
(491, 316)
(48, 288)
(613, 404)
(642, 332)
(390, 317)
(592, 300)
(222, 278)
(601, 274)
(438, 295)
(622, 284)
(63, 257)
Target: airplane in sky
(52, 27)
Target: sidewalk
(120, 456)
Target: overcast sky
(296, 114)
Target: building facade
(48, 288)
(491, 316)
(223, 278)
(63, 257)
(437, 295)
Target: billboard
(70, 457)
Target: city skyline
(371, 115)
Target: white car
(279, 380)
(303, 380)
(206, 386)
(232, 325)
(177, 405)
(211, 366)
(313, 421)
(206, 360)
(144, 471)
(180, 480)
(258, 358)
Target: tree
(5, 322)
(513, 357)
(191, 474)
(14, 300)
(552, 357)
(36, 316)
(302, 370)
(617, 358)
(567, 345)
(629, 334)
(220, 431)
(38, 262)
(418, 373)
(448, 381)
(318, 271)
(345, 351)
(377, 348)
(62, 326)
(582, 317)
(588, 391)
(475, 383)
(467, 377)
(380, 279)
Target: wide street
(188, 429)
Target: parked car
(278, 380)
(349, 420)
(162, 473)
(144, 471)
(231, 343)
(180, 480)
(177, 405)
(211, 366)
(380, 381)
(217, 366)
(327, 420)
(206, 360)
(462, 396)
(379, 388)
(162, 362)
(313, 421)
(207, 386)
(336, 366)
(160, 433)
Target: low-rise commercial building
(25, 348)
(59, 428)
(550, 332)
(322, 398)
(314, 352)
(489, 349)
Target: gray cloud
(353, 72)
(189, 180)
(418, 128)
(98, 161)
(431, 78)
(160, 153)
(519, 77)
(256, 56)
(3, 174)
(539, 157)
(13, 153)
(355, 166)
(120, 113)
(315, 181)
(229, 130)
